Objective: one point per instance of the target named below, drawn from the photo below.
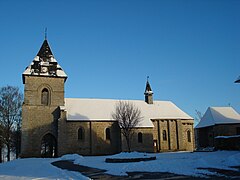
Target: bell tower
(148, 93)
(43, 81)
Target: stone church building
(53, 125)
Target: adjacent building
(53, 125)
(218, 126)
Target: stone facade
(38, 119)
(94, 140)
(172, 135)
(47, 132)
(146, 145)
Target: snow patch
(128, 155)
(185, 163)
(71, 157)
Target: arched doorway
(48, 146)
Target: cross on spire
(45, 34)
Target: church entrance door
(48, 146)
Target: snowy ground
(36, 169)
(185, 163)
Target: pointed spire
(148, 93)
(45, 51)
(44, 64)
(148, 87)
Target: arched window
(108, 135)
(45, 97)
(189, 135)
(81, 134)
(164, 134)
(140, 140)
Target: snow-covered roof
(102, 109)
(44, 64)
(31, 71)
(219, 115)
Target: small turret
(148, 93)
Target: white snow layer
(102, 109)
(60, 72)
(185, 163)
(35, 168)
(219, 115)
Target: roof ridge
(116, 99)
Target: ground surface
(183, 163)
(94, 173)
(175, 165)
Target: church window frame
(45, 97)
(108, 134)
(189, 138)
(164, 134)
(140, 137)
(81, 134)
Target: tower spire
(148, 87)
(44, 64)
(148, 93)
(45, 51)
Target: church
(53, 125)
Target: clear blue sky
(190, 49)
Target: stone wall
(94, 141)
(147, 141)
(34, 86)
(176, 135)
(38, 119)
(185, 126)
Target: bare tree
(199, 116)
(197, 120)
(128, 117)
(10, 114)
(16, 138)
(1, 142)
